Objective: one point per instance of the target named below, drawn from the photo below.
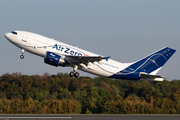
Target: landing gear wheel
(71, 74)
(22, 56)
(76, 74)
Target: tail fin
(152, 63)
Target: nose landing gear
(74, 73)
(22, 56)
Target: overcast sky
(126, 30)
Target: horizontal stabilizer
(151, 77)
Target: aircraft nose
(7, 35)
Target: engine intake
(54, 59)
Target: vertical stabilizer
(147, 67)
(152, 62)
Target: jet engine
(54, 59)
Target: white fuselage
(39, 45)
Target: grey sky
(126, 30)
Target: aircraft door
(25, 37)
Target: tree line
(61, 94)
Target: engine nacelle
(54, 59)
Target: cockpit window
(13, 32)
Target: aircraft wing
(85, 59)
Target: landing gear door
(25, 37)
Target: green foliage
(95, 95)
(59, 94)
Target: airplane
(56, 53)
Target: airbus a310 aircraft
(60, 54)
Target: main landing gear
(74, 73)
(22, 56)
